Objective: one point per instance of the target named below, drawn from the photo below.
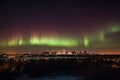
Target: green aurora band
(54, 42)
(85, 41)
(43, 41)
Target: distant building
(53, 53)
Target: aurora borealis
(43, 41)
(65, 42)
(68, 24)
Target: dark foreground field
(103, 68)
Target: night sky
(84, 24)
